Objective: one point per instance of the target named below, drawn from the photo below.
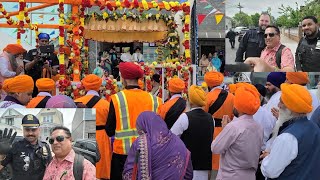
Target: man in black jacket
(253, 41)
(232, 37)
(36, 63)
(308, 50)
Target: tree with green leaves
(242, 19)
(255, 19)
(291, 17)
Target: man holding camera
(39, 61)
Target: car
(88, 148)
(237, 30)
(242, 32)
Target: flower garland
(114, 16)
(36, 29)
(19, 36)
(6, 15)
(21, 16)
(186, 31)
(185, 75)
(83, 43)
(75, 91)
(78, 91)
(148, 72)
(110, 88)
(172, 42)
(22, 6)
(61, 38)
(64, 87)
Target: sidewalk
(289, 43)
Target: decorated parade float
(166, 24)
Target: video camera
(45, 53)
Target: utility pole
(240, 7)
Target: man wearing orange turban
(175, 106)
(240, 141)
(46, 87)
(92, 84)
(19, 90)
(14, 49)
(295, 151)
(11, 63)
(196, 131)
(218, 103)
(125, 106)
(302, 79)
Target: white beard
(284, 115)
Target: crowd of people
(231, 129)
(262, 49)
(108, 61)
(240, 131)
(30, 158)
(211, 62)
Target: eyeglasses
(58, 139)
(269, 34)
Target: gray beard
(284, 116)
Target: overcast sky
(253, 6)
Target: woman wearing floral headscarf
(160, 153)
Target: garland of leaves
(61, 38)
(10, 21)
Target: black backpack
(278, 55)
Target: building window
(48, 118)
(9, 121)
(91, 135)
(45, 131)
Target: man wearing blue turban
(36, 63)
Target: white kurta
(137, 57)
(284, 149)
(182, 123)
(315, 103)
(126, 57)
(267, 121)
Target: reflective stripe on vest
(126, 133)
(124, 111)
(154, 102)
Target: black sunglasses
(270, 35)
(58, 139)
